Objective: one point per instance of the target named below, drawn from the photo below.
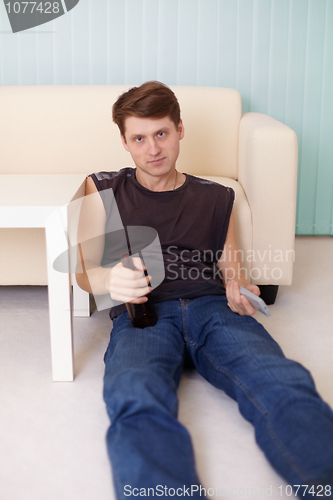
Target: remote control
(255, 301)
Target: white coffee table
(41, 201)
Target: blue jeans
(147, 445)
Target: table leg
(81, 300)
(60, 302)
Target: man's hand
(127, 285)
(237, 302)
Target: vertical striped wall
(277, 53)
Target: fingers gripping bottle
(141, 315)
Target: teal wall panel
(167, 41)
(278, 58)
(277, 53)
(76, 45)
(309, 149)
(227, 43)
(187, 62)
(261, 55)
(207, 47)
(133, 41)
(324, 191)
(45, 53)
(150, 40)
(98, 41)
(115, 48)
(65, 48)
(243, 73)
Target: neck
(168, 182)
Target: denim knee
(137, 390)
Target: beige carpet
(52, 435)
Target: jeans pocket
(116, 318)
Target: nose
(153, 147)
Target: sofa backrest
(69, 129)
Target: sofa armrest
(267, 171)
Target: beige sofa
(69, 129)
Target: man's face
(153, 143)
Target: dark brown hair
(150, 100)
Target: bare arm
(122, 284)
(231, 268)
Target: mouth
(158, 161)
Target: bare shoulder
(92, 215)
(93, 202)
(90, 186)
(91, 229)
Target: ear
(181, 130)
(123, 140)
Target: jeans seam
(270, 431)
(184, 316)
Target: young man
(199, 318)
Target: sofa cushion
(69, 129)
(211, 118)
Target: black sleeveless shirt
(191, 222)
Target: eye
(138, 139)
(161, 134)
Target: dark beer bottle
(141, 315)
